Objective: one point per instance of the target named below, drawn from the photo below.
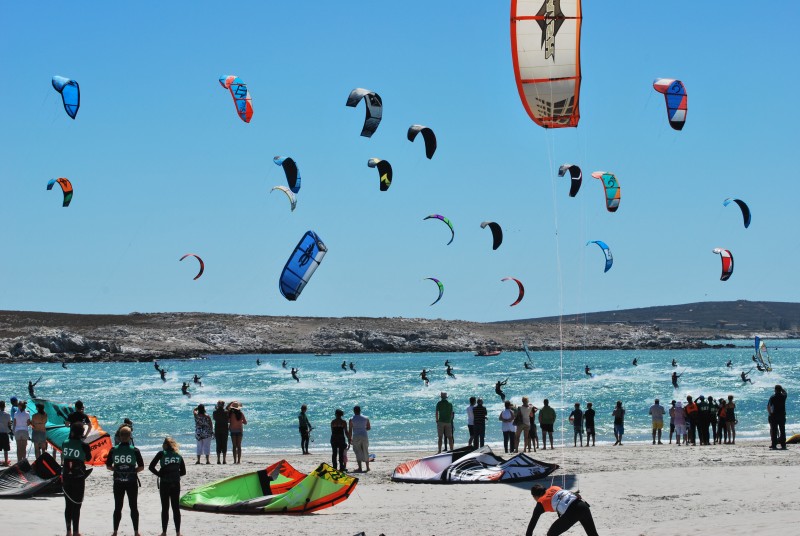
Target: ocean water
(391, 393)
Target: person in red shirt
(569, 506)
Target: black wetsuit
(294, 375)
(124, 460)
(675, 380)
(577, 512)
(196, 380)
(73, 480)
(283, 364)
(588, 371)
(344, 365)
(635, 362)
(163, 373)
(424, 376)
(450, 372)
(777, 419)
(498, 389)
(352, 366)
(171, 469)
(527, 365)
(745, 379)
(674, 363)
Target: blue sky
(162, 165)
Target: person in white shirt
(657, 413)
(5, 431)
(507, 418)
(471, 422)
(22, 420)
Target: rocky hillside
(58, 336)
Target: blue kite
(292, 173)
(301, 265)
(606, 252)
(70, 94)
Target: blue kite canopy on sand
(301, 265)
(70, 94)
(468, 465)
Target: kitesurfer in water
(197, 381)
(527, 365)
(635, 361)
(63, 364)
(450, 372)
(344, 365)
(163, 373)
(424, 376)
(729, 364)
(294, 374)
(258, 363)
(675, 377)
(498, 388)
(352, 366)
(446, 362)
(156, 365)
(674, 363)
(587, 371)
(745, 379)
(185, 389)
(760, 368)
(283, 364)
(31, 385)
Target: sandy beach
(635, 489)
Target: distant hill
(737, 318)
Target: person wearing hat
(236, 420)
(444, 421)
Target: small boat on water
(488, 353)
(323, 354)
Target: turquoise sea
(401, 408)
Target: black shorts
(546, 427)
(5, 444)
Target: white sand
(633, 490)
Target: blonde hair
(171, 443)
(125, 434)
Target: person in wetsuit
(170, 470)
(352, 366)
(744, 377)
(258, 363)
(283, 364)
(729, 364)
(527, 366)
(635, 361)
(125, 461)
(498, 388)
(197, 381)
(344, 365)
(674, 363)
(446, 362)
(185, 389)
(73, 476)
(424, 376)
(163, 373)
(587, 370)
(569, 506)
(675, 377)
(760, 368)
(63, 364)
(294, 374)
(157, 366)
(31, 385)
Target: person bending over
(569, 506)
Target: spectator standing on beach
(444, 421)
(547, 418)
(203, 432)
(619, 422)
(730, 420)
(39, 431)
(479, 413)
(691, 419)
(679, 415)
(80, 416)
(471, 422)
(125, 422)
(305, 428)
(722, 429)
(22, 419)
(340, 441)
(507, 427)
(533, 434)
(73, 476)
(657, 414)
(713, 408)
(776, 407)
(569, 506)
(588, 417)
(5, 431)
(126, 461)
(671, 421)
(703, 419)
(523, 428)
(576, 418)
(170, 470)
(221, 423)
(236, 422)
(358, 429)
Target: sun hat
(443, 394)
(236, 405)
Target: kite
(278, 489)
(545, 50)
(445, 220)
(676, 99)
(577, 177)
(66, 187)
(727, 263)
(292, 173)
(24, 479)
(606, 252)
(57, 429)
(70, 94)
(743, 206)
(240, 94)
(468, 465)
(384, 170)
(427, 135)
(612, 188)
(202, 264)
(289, 194)
(374, 109)
(441, 288)
(521, 289)
(302, 264)
(497, 233)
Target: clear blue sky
(162, 165)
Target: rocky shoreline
(52, 337)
